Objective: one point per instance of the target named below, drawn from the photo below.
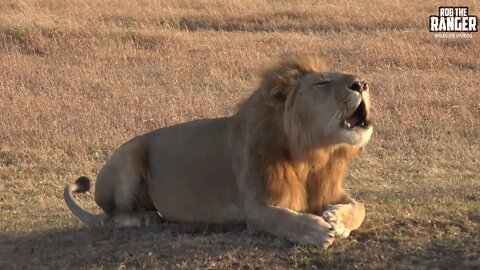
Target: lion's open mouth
(358, 118)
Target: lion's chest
(302, 187)
(286, 185)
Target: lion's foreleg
(345, 217)
(305, 229)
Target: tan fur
(277, 164)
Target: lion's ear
(276, 91)
(281, 97)
(275, 96)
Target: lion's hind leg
(137, 219)
(121, 190)
(133, 206)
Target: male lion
(278, 164)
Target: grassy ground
(78, 78)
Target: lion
(278, 164)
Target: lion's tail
(82, 185)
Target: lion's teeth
(348, 124)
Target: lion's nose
(358, 86)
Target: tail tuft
(82, 185)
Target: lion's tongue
(352, 121)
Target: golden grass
(78, 78)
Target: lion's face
(335, 108)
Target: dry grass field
(78, 78)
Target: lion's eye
(321, 83)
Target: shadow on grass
(167, 245)
(399, 244)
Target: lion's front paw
(313, 230)
(337, 216)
